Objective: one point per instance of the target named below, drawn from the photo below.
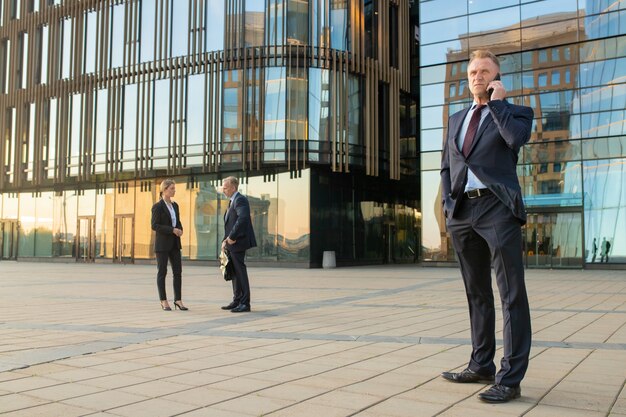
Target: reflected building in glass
(308, 102)
(566, 60)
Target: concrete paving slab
(363, 341)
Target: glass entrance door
(8, 239)
(86, 235)
(553, 240)
(123, 239)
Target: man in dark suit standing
(238, 237)
(482, 203)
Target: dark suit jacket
(165, 240)
(238, 225)
(492, 157)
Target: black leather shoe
(241, 308)
(230, 306)
(500, 394)
(468, 376)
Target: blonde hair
(232, 180)
(483, 53)
(165, 184)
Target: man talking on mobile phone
(484, 211)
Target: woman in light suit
(167, 225)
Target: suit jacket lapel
(457, 129)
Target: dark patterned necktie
(471, 129)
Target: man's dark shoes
(500, 394)
(230, 306)
(468, 376)
(241, 308)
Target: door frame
(117, 256)
(15, 236)
(91, 240)
(554, 211)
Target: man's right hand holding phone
(496, 89)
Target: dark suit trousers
(485, 232)
(241, 286)
(177, 269)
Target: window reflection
(214, 25)
(90, 42)
(179, 28)
(117, 36)
(161, 122)
(255, 23)
(206, 212)
(605, 209)
(65, 206)
(232, 131)
(147, 29)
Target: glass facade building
(308, 102)
(331, 112)
(567, 60)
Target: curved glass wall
(571, 70)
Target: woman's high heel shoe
(166, 308)
(181, 307)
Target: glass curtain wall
(571, 72)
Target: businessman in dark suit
(166, 223)
(482, 203)
(238, 237)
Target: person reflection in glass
(604, 250)
(594, 250)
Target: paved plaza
(80, 339)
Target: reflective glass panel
(274, 128)
(90, 42)
(65, 208)
(129, 127)
(297, 22)
(180, 28)
(546, 11)
(147, 29)
(161, 122)
(557, 184)
(232, 128)
(43, 237)
(76, 133)
(605, 208)
(339, 25)
(117, 36)
(494, 21)
(266, 207)
(485, 5)
(66, 50)
(101, 129)
(441, 9)
(436, 245)
(455, 28)
(28, 224)
(205, 219)
(195, 119)
(215, 25)
(254, 22)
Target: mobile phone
(490, 91)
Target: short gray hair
(232, 180)
(483, 53)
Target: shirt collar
(232, 198)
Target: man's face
(479, 74)
(228, 188)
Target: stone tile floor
(80, 339)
